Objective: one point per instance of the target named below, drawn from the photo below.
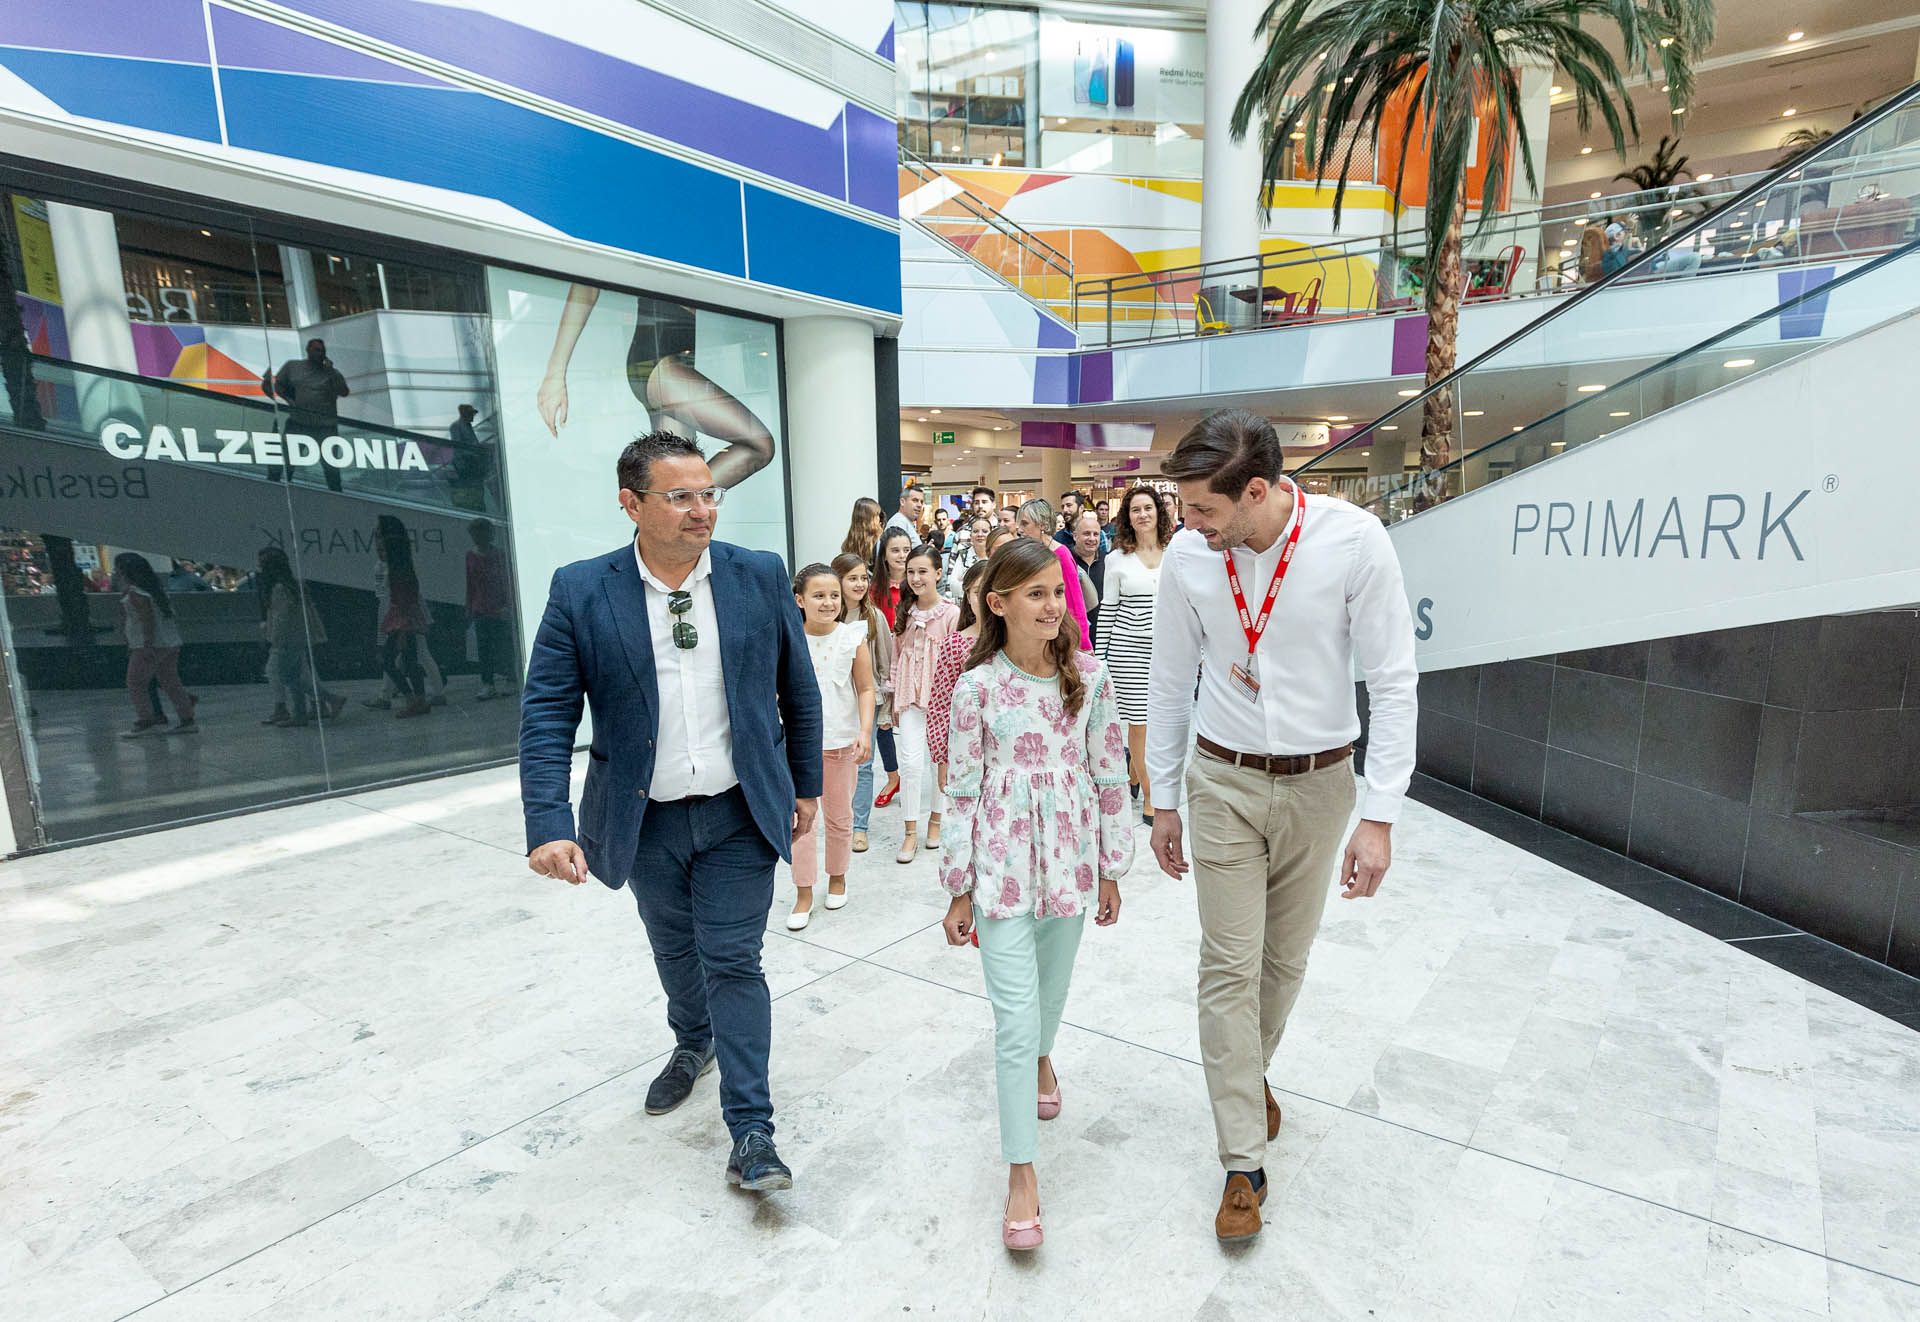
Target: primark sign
(1724, 525)
(228, 445)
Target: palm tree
(1658, 180)
(1445, 63)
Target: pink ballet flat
(1021, 1236)
(1050, 1101)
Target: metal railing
(943, 207)
(1521, 255)
(1500, 418)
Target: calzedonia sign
(230, 445)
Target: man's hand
(559, 858)
(804, 811)
(1369, 854)
(1167, 835)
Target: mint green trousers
(1028, 966)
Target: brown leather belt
(1277, 764)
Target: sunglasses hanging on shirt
(685, 636)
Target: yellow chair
(1204, 322)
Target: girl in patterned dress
(1038, 836)
(948, 667)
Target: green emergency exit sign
(943, 438)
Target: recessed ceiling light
(923, 419)
(1795, 36)
(1735, 224)
(1060, 119)
(1408, 394)
(1665, 42)
(1566, 243)
(1738, 362)
(1558, 445)
(1592, 389)
(1620, 413)
(208, 234)
(1555, 90)
(1365, 453)
(1336, 417)
(1679, 110)
(1391, 426)
(1666, 87)
(1704, 177)
(933, 410)
(1789, 113)
(1593, 195)
(1586, 151)
(1519, 428)
(1473, 413)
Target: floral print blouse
(1037, 808)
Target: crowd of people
(1037, 685)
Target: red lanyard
(1254, 628)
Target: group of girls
(1006, 724)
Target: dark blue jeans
(703, 879)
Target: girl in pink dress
(921, 624)
(946, 670)
(1040, 834)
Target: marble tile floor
(348, 1060)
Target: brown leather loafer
(1239, 1215)
(1273, 1116)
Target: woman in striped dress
(1126, 621)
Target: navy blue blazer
(595, 646)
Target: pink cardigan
(1076, 603)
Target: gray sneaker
(675, 1082)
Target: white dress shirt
(695, 740)
(1342, 601)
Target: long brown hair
(883, 584)
(1009, 569)
(904, 611)
(1124, 536)
(975, 572)
(843, 564)
(863, 530)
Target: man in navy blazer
(705, 763)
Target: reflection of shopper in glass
(290, 625)
(403, 626)
(489, 609)
(153, 647)
(472, 462)
(661, 373)
(312, 390)
(388, 526)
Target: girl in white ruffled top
(844, 669)
(1038, 835)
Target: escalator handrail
(1639, 266)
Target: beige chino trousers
(1263, 850)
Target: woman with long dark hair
(856, 598)
(153, 647)
(1126, 620)
(404, 627)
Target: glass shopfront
(254, 529)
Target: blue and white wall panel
(609, 125)
(970, 339)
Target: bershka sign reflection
(229, 445)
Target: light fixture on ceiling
(1795, 36)
(1679, 110)
(1408, 394)
(923, 419)
(1061, 119)
(1735, 224)
(1586, 151)
(1738, 362)
(1566, 243)
(206, 234)
(1665, 42)
(1789, 112)
(1593, 195)
(1592, 389)
(933, 410)
(1702, 178)
(1365, 453)
(1666, 87)
(1391, 426)
(1336, 417)
(999, 428)
(1555, 90)
(1519, 428)
(1558, 445)
(1620, 413)
(1473, 413)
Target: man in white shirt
(1314, 587)
(705, 765)
(913, 503)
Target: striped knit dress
(1126, 631)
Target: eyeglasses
(684, 499)
(685, 636)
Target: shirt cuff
(1168, 799)
(1382, 806)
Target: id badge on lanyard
(1244, 678)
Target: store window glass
(252, 524)
(1122, 99)
(966, 82)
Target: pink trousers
(836, 815)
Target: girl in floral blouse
(1037, 820)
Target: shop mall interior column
(832, 429)
(1229, 170)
